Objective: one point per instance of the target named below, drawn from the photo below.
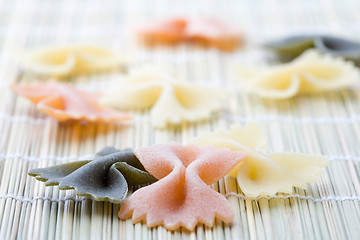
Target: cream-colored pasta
(260, 173)
(311, 72)
(76, 59)
(170, 101)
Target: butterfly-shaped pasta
(293, 46)
(310, 73)
(170, 101)
(73, 59)
(107, 177)
(63, 102)
(261, 173)
(182, 196)
(208, 32)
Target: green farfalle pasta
(291, 47)
(106, 178)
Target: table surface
(326, 124)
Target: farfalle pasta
(181, 196)
(170, 100)
(106, 178)
(73, 59)
(201, 30)
(293, 46)
(262, 173)
(63, 102)
(309, 73)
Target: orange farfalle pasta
(63, 102)
(201, 30)
(169, 32)
(182, 196)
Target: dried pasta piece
(261, 173)
(170, 101)
(293, 46)
(63, 102)
(182, 196)
(309, 73)
(106, 178)
(213, 33)
(208, 32)
(77, 59)
(168, 32)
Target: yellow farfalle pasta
(75, 59)
(170, 101)
(261, 173)
(311, 72)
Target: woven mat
(326, 124)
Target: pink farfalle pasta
(182, 196)
(63, 102)
(204, 31)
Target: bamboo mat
(326, 124)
